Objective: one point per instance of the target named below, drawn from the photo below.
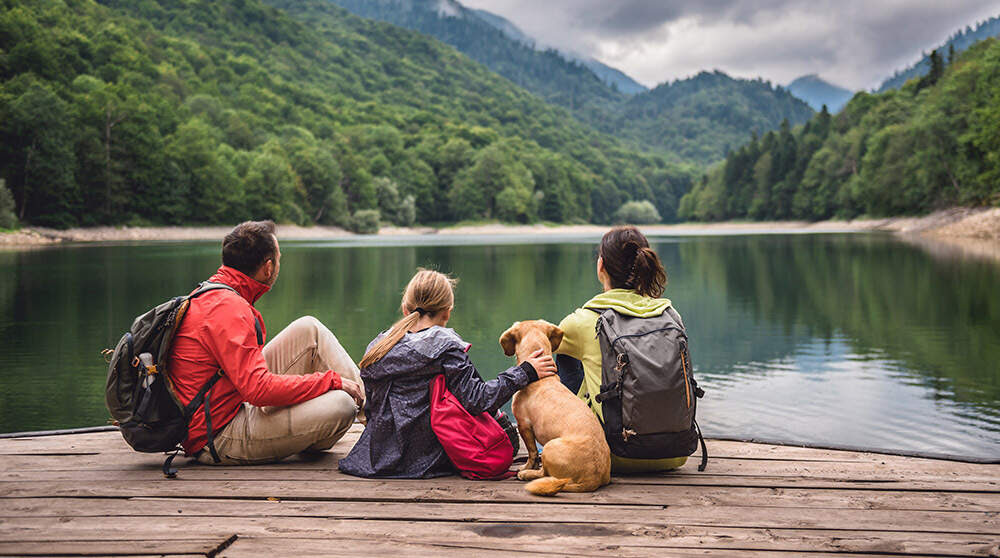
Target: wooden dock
(89, 494)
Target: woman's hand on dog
(543, 364)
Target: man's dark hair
(249, 245)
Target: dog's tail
(546, 486)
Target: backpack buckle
(622, 362)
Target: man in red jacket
(299, 392)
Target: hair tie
(420, 310)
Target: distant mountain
(960, 41)
(817, 92)
(701, 118)
(501, 47)
(614, 77)
(505, 26)
(696, 120)
(608, 75)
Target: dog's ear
(555, 335)
(508, 340)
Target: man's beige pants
(267, 434)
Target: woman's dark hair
(249, 245)
(631, 263)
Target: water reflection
(841, 339)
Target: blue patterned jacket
(398, 441)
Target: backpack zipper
(620, 337)
(687, 386)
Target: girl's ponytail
(429, 292)
(396, 333)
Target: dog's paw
(530, 474)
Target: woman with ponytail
(397, 371)
(633, 280)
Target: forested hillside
(701, 118)
(697, 119)
(216, 111)
(934, 143)
(611, 76)
(546, 73)
(958, 42)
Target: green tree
(213, 188)
(38, 159)
(8, 220)
(476, 188)
(637, 213)
(365, 221)
(270, 186)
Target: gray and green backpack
(140, 394)
(648, 392)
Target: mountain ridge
(817, 92)
(700, 132)
(959, 41)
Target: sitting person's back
(633, 279)
(397, 371)
(296, 393)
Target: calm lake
(855, 340)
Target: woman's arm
(472, 392)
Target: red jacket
(218, 332)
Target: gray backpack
(648, 393)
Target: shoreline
(956, 225)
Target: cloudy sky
(853, 43)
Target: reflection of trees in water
(725, 331)
(940, 318)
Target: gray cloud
(855, 43)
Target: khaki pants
(267, 434)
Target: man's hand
(544, 365)
(354, 390)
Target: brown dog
(575, 455)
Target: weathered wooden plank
(292, 472)
(251, 546)
(520, 536)
(458, 490)
(983, 477)
(210, 482)
(42, 510)
(726, 516)
(254, 547)
(104, 442)
(697, 479)
(170, 547)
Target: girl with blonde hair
(397, 371)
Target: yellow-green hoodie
(580, 342)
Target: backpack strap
(677, 317)
(210, 286)
(204, 395)
(704, 449)
(203, 398)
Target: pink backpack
(477, 446)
